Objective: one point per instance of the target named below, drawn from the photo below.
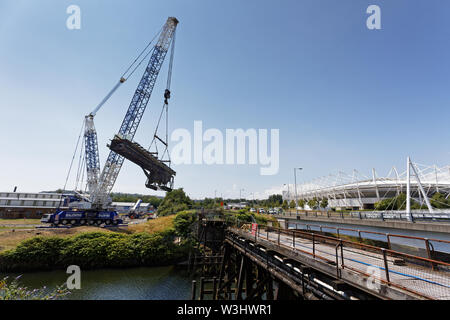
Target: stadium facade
(356, 191)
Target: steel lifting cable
(143, 59)
(82, 173)
(172, 53)
(80, 164)
(169, 82)
(142, 52)
(156, 129)
(124, 76)
(165, 106)
(73, 157)
(80, 176)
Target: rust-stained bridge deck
(384, 272)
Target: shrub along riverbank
(91, 250)
(159, 242)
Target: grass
(5, 222)
(150, 243)
(154, 225)
(10, 239)
(2, 228)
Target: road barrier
(371, 215)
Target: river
(160, 283)
(314, 225)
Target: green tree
(208, 203)
(292, 204)
(285, 205)
(301, 203)
(275, 200)
(174, 201)
(438, 201)
(313, 203)
(324, 203)
(154, 201)
(396, 203)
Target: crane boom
(91, 153)
(111, 169)
(91, 143)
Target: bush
(183, 222)
(95, 250)
(13, 291)
(439, 201)
(396, 203)
(248, 217)
(39, 250)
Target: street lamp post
(288, 197)
(296, 196)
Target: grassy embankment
(157, 242)
(10, 239)
(10, 222)
(148, 244)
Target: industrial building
(28, 205)
(34, 205)
(357, 191)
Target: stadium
(358, 192)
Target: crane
(103, 184)
(100, 183)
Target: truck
(82, 217)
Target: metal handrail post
(386, 265)
(293, 239)
(314, 246)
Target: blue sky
(343, 96)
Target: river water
(160, 283)
(314, 225)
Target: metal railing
(427, 244)
(372, 215)
(421, 276)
